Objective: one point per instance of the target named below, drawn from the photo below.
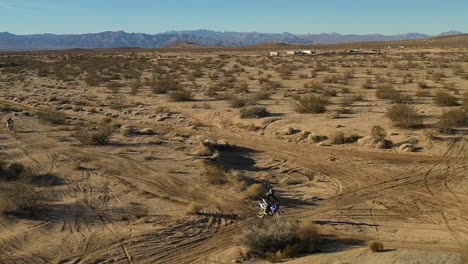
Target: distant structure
(274, 53)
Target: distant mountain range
(121, 39)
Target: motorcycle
(11, 128)
(275, 209)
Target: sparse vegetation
(253, 112)
(376, 247)
(442, 98)
(404, 116)
(279, 239)
(311, 104)
(451, 119)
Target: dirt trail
(405, 200)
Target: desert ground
(161, 156)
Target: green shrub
(405, 116)
(311, 104)
(253, 112)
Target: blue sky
(295, 16)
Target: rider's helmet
(271, 191)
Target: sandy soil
(126, 202)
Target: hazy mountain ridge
(118, 39)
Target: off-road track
(406, 201)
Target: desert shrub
(253, 112)
(337, 138)
(376, 247)
(442, 98)
(181, 95)
(348, 100)
(194, 208)
(405, 116)
(254, 191)
(422, 93)
(214, 172)
(450, 119)
(312, 104)
(260, 95)
(19, 198)
(333, 115)
(237, 180)
(330, 92)
(280, 237)
(388, 92)
(99, 137)
(367, 84)
(114, 87)
(465, 101)
(135, 87)
(378, 133)
(238, 102)
(15, 172)
(52, 117)
(165, 85)
(423, 85)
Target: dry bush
(442, 98)
(333, 115)
(388, 92)
(378, 133)
(194, 208)
(214, 172)
(238, 102)
(181, 95)
(254, 191)
(253, 112)
(422, 85)
(311, 104)
(19, 198)
(276, 239)
(404, 116)
(337, 138)
(165, 85)
(367, 84)
(52, 117)
(376, 247)
(135, 87)
(15, 172)
(99, 137)
(465, 101)
(126, 131)
(237, 180)
(348, 100)
(450, 119)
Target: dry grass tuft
(194, 208)
(376, 247)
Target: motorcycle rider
(267, 199)
(10, 123)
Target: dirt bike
(11, 128)
(275, 209)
